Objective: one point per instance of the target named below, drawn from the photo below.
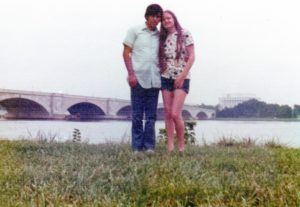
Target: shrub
(189, 133)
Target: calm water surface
(117, 131)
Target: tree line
(259, 109)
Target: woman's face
(168, 21)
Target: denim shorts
(168, 84)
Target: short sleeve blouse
(174, 67)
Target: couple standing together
(158, 60)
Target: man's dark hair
(153, 9)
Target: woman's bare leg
(168, 100)
(177, 105)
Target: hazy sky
(75, 47)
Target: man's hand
(132, 81)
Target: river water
(208, 131)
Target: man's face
(153, 21)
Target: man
(141, 60)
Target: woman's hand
(179, 81)
(189, 62)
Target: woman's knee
(176, 116)
(168, 113)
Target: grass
(11, 174)
(73, 174)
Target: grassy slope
(34, 173)
(11, 174)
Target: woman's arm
(189, 63)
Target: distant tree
(296, 110)
(256, 109)
(284, 112)
(226, 113)
(250, 108)
(269, 110)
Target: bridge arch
(22, 108)
(186, 114)
(202, 115)
(160, 114)
(85, 111)
(125, 111)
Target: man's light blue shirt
(144, 44)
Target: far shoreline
(259, 119)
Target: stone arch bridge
(40, 105)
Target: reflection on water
(117, 131)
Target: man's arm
(128, 63)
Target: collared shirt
(175, 67)
(144, 44)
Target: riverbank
(40, 173)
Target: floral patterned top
(174, 67)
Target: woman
(176, 57)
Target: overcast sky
(75, 46)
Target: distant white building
(232, 100)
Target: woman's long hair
(162, 39)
